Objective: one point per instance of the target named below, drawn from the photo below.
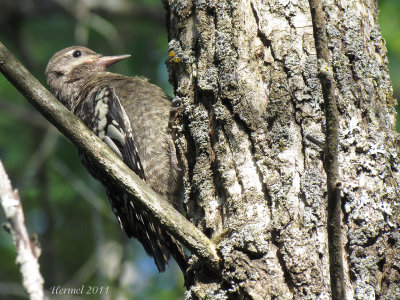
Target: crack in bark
(222, 193)
(247, 130)
(261, 35)
(286, 272)
(231, 152)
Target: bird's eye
(77, 53)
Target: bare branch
(331, 151)
(107, 161)
(27, 253)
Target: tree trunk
(247, 95)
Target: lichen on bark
(246, 85)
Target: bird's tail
(178, 253)
(137, 223)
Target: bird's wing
(111, 124)
(103, 113)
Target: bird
(130, 115)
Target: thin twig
(87, 19)
(315, 141)
(27, 253)
(12, 290)
(107, 162)
(41, 154)
(82, 189)
(325, 75)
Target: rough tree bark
(247, 91)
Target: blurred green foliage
(389, 21)
(82, 243)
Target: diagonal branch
(107, 161)
(331, 163)
(27, 253)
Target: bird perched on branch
(131, 116)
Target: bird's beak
(109, 60)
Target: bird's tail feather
(157, 242)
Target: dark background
(81, 241)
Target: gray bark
(247, 91)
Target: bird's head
(69, 69)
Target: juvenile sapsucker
(131, 116)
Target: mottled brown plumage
(131, 116)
